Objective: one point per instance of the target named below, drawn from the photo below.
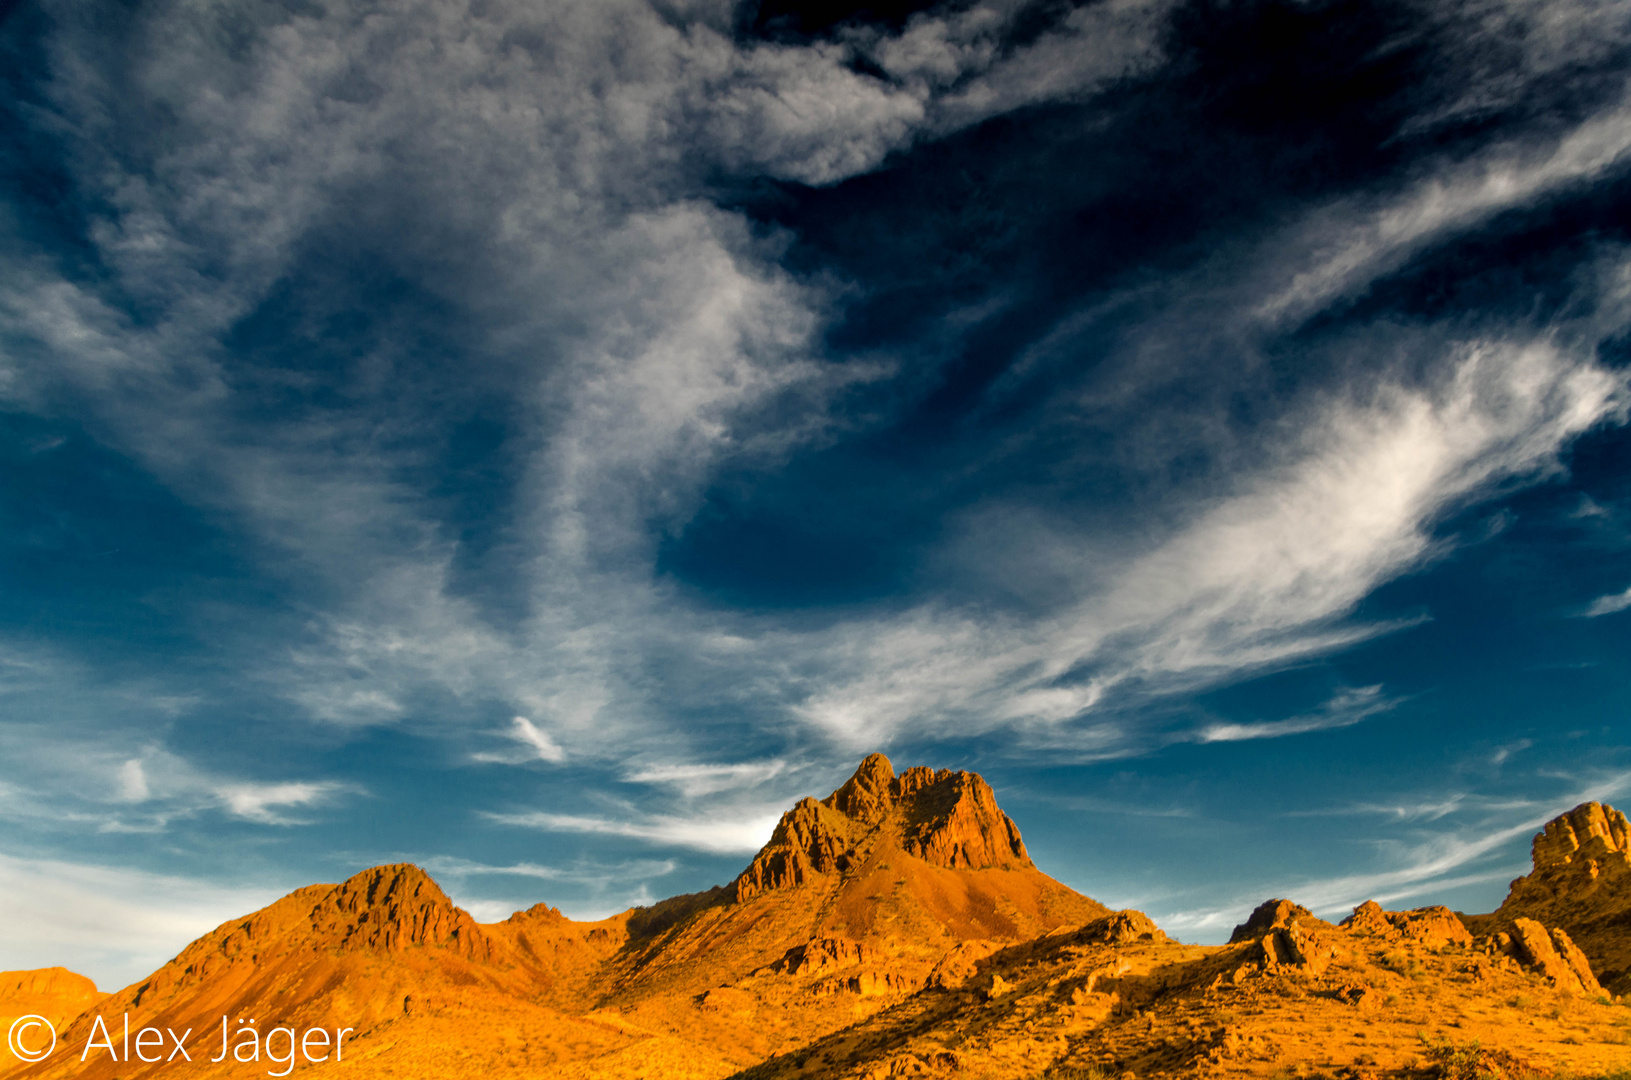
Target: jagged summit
(945, 818)
(395, 906)
(1589, 831)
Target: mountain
(1581, 882)
(897, 927)
(855, 902)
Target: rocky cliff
(1581, 884)
(945, 818)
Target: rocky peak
(1581, 883)
(869, 794)
(1269, 916)
(1435, 926)
(952, 820)
(945, 818)
(810, 839)
(1590, 829)
(396, 906)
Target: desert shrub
(1469, 1061)
(1091, 1071)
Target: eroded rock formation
(1580, 883)
(946, 818)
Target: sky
(542, 439)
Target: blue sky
(543, 440)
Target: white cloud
(547, 749)
(1261, 576)
(695, 780)
(1340, 251)
(1344, 710)
(711, 832)
(132, 781)
(1090, 48)
(1608, 605)
(112, 924)
(262, 803)
(1513, 52)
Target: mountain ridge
(896, 927)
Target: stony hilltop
(1581, 882)
(897, 927)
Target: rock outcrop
(1581, 884)
(1388, 994)
(945, 818)
(1287, 935)
(1435, 927)
(811, 839)
(1549, 953)
(396, 907)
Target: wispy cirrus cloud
(696, 780)
(272, 804)
(1260, 577)
(1344, 710)
(535, 745)
(1608, 605)
(738, 833)
(647, 338)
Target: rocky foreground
(896, 928)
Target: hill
(897, 927)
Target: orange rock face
(948, 819)
(1581, 883)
